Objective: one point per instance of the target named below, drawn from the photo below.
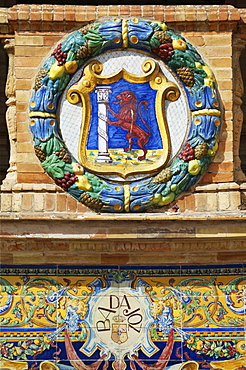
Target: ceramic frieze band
(125, 115)
(68, 318)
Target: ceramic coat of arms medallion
(125, 115)
(119, 323)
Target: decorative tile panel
(122, 318)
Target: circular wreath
(199, 85)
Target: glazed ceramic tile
(118, 318)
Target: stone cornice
(116, 227)
(63, 18)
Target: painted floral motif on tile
(63, 318)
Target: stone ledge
(95, 238)
(106, 217)
(217, 187)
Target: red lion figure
(126, 119)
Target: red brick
(201, 14)
(70, 13)
(80, 13)
(223, 27)
(223, 13)
(190, 202)
(180, 27)
(102, 11)
(124, 10)
(51, 40)
(226, 146)
(13, 13)
(50, 202)
(47, 13)
(91, 13)
(61, 202)
(58, 13)
(71, 204)
(24, 137)
(159, 13)
(24, 85)
(220, 167)
(135, 10)
(22, 117)
(169, 14)
(190, 14)
(22, 127)
(115, 259)
(27, 201)
(35, 12)
(41, 178)
(30, 51)
(181, 204)
(24, 26)
(58, 27)
(24, 147)
(234, 14)
(70, 26)
(180, 14)
(113, 10)
(234, 256)
(217, 177)
(147, 11)
(189, 27)
(24, 12)
(36, 26)
(47, 26)
(243, 14)
(213, 13)
(81, 208)
(29, 167)
(242, 29)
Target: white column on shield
(102, 101)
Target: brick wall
(209, 29)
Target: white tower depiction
(103, 155)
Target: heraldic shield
(124, 131)
(119, 333)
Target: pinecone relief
(84, 51)
(63, 155)
(84, 30)
(163, 176)
(41, 74)
(90, 202)
(201, 150)
(39, 153)
(186, 75)
(163, 37)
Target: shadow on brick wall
(242, 151)
(4, 141)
